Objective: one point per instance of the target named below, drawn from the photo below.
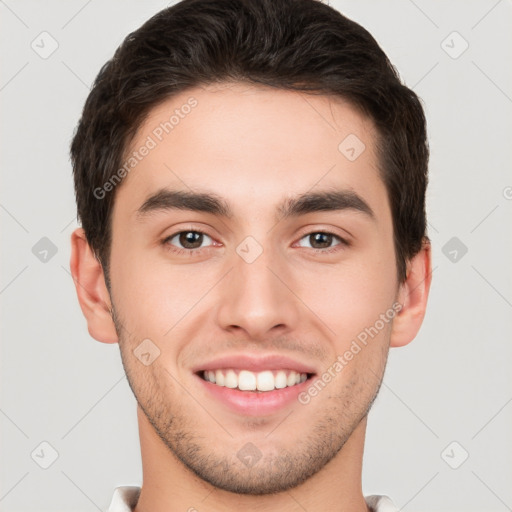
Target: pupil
(190, 238)
(317, 239)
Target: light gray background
(453, 383)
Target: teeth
(219, 378)
(231, 380)
(246, 380)
(280, 380)
(265, 381)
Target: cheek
(156, 298)
(143, 292)
(349, 298)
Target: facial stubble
(183, 423)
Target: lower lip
(255, 403)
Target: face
(267, 270)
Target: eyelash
(176, 250)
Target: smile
(246, 380)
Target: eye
(322, 240)
(189, 240)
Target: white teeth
(280, 380)
(231, 379)
(246, 380)
(264, 381)
(219, 378)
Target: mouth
(258, 382)
(254, 384)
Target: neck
(168, 485)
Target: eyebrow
(207, 202)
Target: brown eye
(188, 239)
(321, 240)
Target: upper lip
(255, 363)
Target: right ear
(91, 289)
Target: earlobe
(91, 289)
(413, 296)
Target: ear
(91, 289)
(413, 295)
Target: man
(250, 177)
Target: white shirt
(125, 498)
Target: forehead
(251, 144)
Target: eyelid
(205, 230)
(328, 231)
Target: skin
(253, 146)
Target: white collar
(125, 498)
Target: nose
(257, 298)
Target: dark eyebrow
(303, 204)
(166, 199)
(324, 201)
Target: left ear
(413, 295)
